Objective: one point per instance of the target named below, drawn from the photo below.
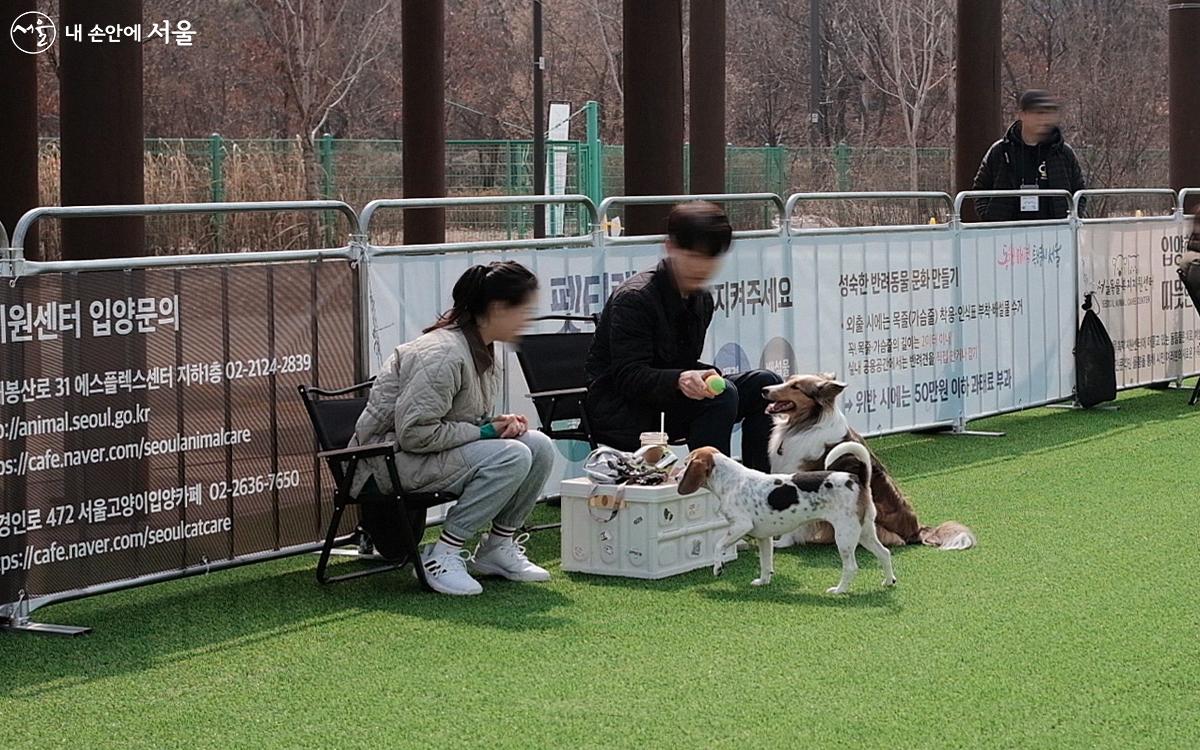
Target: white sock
(448, 542)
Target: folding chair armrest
(305, 390)
(563, 392)
(594, 318)
(358, 452)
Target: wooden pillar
(423, 62)
(103, 147)
(977, 115)
(653, 55)
(706, 106)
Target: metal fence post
(841, 158)
(773, 157)
(216, 168)
(216, 153)
(525, 225)
(767, 167)
(326, 157)
(548, 217)
(594, 187)
(511, 187)
(687, 168)
(781, 171)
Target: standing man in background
(1032, 155)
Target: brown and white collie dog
(808, 424)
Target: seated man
(644, 360)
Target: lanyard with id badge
(1032, 203)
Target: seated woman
(434, 397)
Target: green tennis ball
(715, 383)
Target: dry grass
(181, 170)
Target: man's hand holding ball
(701, 384)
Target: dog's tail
(852, 458)
(950, 535)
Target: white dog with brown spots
(764, 506)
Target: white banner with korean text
(926, 329)
(1131, 268)
(1017, 317)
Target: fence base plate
(42, 628)
(1074, 405)
(955, 431)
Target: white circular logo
(33, 32)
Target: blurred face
(692, 270)
(506, 322)
(1038, 123)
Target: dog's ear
(829, 390)
(829, 376)
(698, 468)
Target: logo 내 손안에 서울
(32, 32)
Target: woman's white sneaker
(505, 557)
(446, 571)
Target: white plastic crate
(655, 533)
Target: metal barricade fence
(149, 427)
(1129, 264)
(873, 296)
(931, 326)
(1019, 305)
(609, 205)
(408, 286)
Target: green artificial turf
(1074, 624)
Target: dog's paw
(889, 581)
(718, 568)
(760, 581)
(836, 590)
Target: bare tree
(613, 69)
(323, 46)
(1036, 40)
(1107, 60)
(279, 68)
(768, 73)
(902, 50)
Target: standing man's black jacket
(648, 334)
(1011, 163)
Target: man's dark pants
(708, 423)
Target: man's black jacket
(648, 334)
(1011, 163)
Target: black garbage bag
(1189, 272)
(382, 521)
(381, 518)
(1095, 360)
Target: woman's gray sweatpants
(503, 484)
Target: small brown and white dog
(764, 506)
(808, 425)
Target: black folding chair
(553, 365)
(334, 415)
(554, 368)
(1190, 276)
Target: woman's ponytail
(500, 281)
